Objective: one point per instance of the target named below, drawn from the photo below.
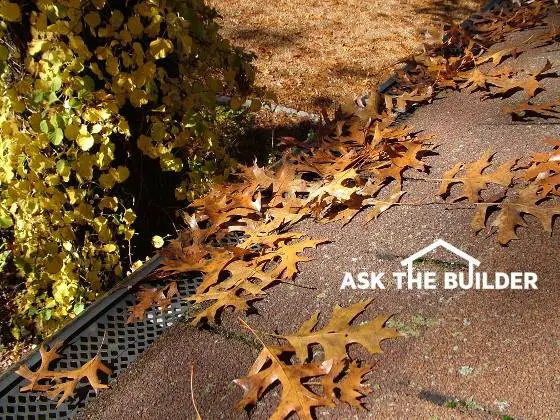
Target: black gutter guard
(102, 329)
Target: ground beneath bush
(466, 354)
(315, 53)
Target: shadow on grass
(269, 38)
(262, 141)
(447, 11)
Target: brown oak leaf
(528, 109)
(381, 205)
(148, 297)
(545, 169)
(288, 256)
(338, 334)
(246, 281)
(61, 382)
(401, 155)
(345, 382)
(474, 179)
(268, 370)
(510, 214)
(341, 187)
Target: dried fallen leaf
(340, 379)
(341, 187)
(54, 383)
(379, 206)
(510, 214)
(345, 382)
(474, 180)
(544, 172)
(338, 334)
(148, 297)
(499, 82)
(287, 256)
(498, 56)
(528, 109)
(268, 370)
(68, 380)
(47, 357)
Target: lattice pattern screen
(122, 344)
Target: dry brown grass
(312, 53)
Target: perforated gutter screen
(102, 322)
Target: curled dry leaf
(379, 206)
(148, 297)
(499, 82)
(538, 41)
(518, 199)
(528, 109)
(246, 280)
(47, 357)
(545, 170)
(287, 256)
(340, 379)
(415, 97)
(510, 214)
(401, 156)
(498, 56)
(341, 187)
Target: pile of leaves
(357, 162)
(457, 63)
(90, 93)
(356, 165)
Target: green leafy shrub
(95, 88)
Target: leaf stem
(198, 417)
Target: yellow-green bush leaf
(157, 241)
(4, 53)
(71, 131)
(160, 48)
(86, 141)
(92, 19)
(57, 136)
(10, 11)
(54, 265)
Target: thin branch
(252, 331)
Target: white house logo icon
(473, 262)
